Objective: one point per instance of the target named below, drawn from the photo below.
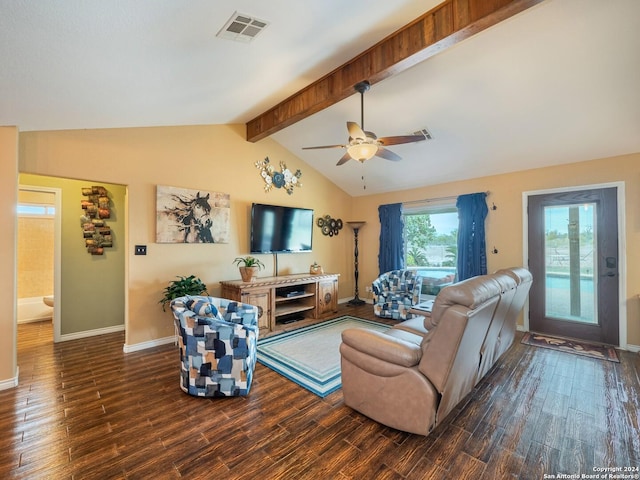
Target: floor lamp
(356, 226)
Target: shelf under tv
(293, 296)
(282, 311)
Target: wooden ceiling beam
(441, 27)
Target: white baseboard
(150, 344)
(91, 333)
(11, 382)
(633, 348)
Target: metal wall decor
(329, 226)
(285, 178)
(97, 208)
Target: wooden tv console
(286, 299)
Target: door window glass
(570, 262)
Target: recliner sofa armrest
(382, 346)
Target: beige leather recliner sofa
(413, 375)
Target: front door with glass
(573, 256)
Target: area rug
(571, 346)
(310, 356)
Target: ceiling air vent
(425, 132)
(242, 28)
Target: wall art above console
(191, 216)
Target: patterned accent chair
(217, 339)
(395, 292)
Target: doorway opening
(39, 255)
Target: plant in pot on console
(249, 267)
(190, 285)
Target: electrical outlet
(141, 250)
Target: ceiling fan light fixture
(362, 151)
(364, 145)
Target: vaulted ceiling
(555, 83)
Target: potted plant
(249, 267)
(190, 285)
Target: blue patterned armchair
(217, 339)
(395, 292)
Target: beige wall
(214, 158)
(504, 226)
(8, 201)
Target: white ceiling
(557, 83)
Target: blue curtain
(391, 256)
(472, 248)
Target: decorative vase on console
(316, 269)
(248, 274)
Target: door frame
(57, 251)
(622, 251)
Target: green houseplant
(249, 267)
(190, 285)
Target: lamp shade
(362, 151)
(356, 225)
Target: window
(431, 238)
(33, 210)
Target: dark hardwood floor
(85, 409)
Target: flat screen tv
(278, 229)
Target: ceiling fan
(364, 145)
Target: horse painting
(189, 218)
(194, 218)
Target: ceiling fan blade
(345, 158)
(355, 131)
(401, 139)
(324, 146)
(387, 154)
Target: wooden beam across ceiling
(441, 27)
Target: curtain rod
(437, 199)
